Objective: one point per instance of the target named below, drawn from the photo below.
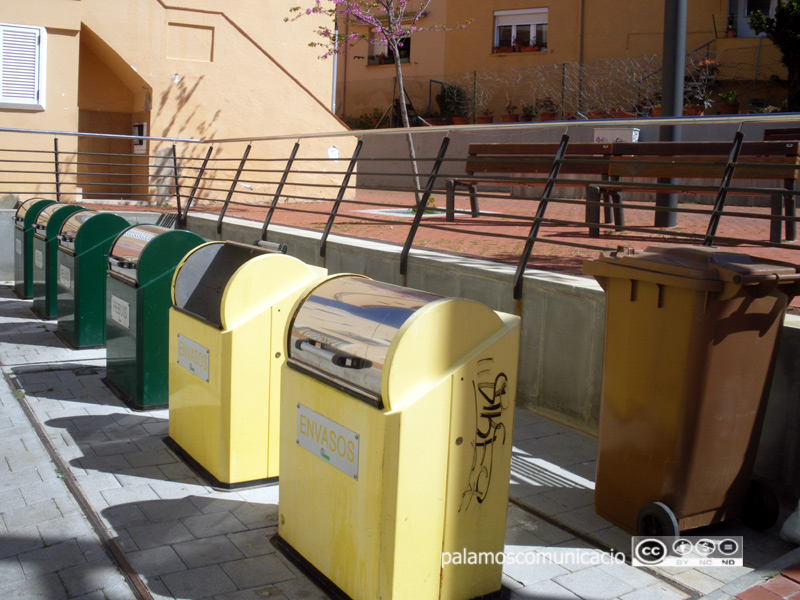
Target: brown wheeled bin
(690, 341)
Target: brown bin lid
(695, 262)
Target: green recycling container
(141, 264)
(45, 258)
(83, 244)
(24, 219)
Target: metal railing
(359, 183)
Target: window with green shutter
(22, 67)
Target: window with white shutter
(23, 52)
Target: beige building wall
(579, 31)
(186, 68)
(61, 18)
(365, 88)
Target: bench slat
(704, 167)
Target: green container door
(139, 286)
(24, 219)
(84, 242)
(45, 257)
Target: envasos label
(64, 276)
(38, 259)
(121, 312)
(327, 440)
(18, 246)
(193, 357)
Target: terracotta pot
(546, 115)
(595, 114)
(526, 118)
(530, 48)
(694, 110)
(728, 108)
(484, 119)
(621, 114)
(459, 120)
(502, 49)
(655, 111)
(509, 118)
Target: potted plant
(453, 101)
(510, 115)
(728, 103)
(700, 80)
(528, 111)
(655, 110)
(547, 109)
(486, 116)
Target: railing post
(345, 182)
(58, 180)
(593, 210)
(722, 194)
(177, 184)
(233, 188)
(423, 203)
(278, 191)
(537, 220)
(190, 199)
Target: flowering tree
(392, 22)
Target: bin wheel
(760, 506)
(656, 518)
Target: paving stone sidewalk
(179, 538)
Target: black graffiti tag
(491, 401)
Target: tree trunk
(404, 114)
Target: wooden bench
(702, 160)
(486, 161)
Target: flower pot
(509, 118)
(526, 118)
(621, 114)
(530, 48)
(546, 115)
(437, 121)
(694, 110)
(595, 114)
(503, 49)
(459, 120)
(655, 111)
(484, 119)
(728, 108)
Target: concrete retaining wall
(562, 330)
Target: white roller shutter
(22, 56)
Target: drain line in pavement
(111, 546)
(693, 594)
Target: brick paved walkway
(178, 538)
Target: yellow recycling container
(397, 408)
(690, 344)
(231, 302)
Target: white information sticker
(38, 259)
(121, 312)
(327, 440)
(64, 276)
(193, 357)
(18, 246)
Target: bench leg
(619, 216)
(473, 201)
(791, 212)
(593, 210)
(450, 200)
(776, 210)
